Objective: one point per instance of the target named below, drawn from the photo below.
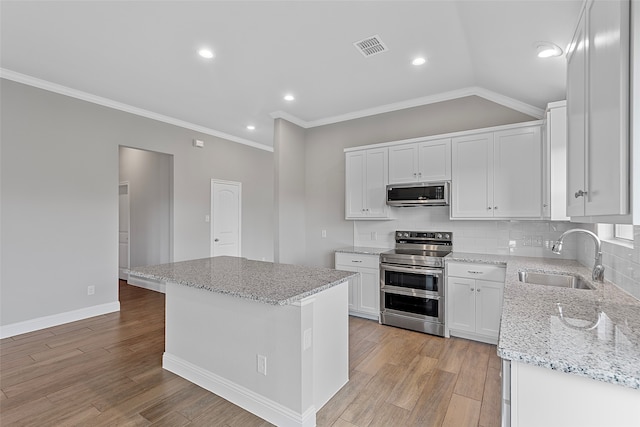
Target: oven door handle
(424, 271)
(409, 293)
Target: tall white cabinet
(497, 174)
(366, 182)
(598, 111)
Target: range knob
(438, 235)
(447, 236)
(406, 234)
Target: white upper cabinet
(420, 161)
(554, 198)
(517, 176)
(497, 174)
(366, 184)
(472, 176)
(598, 110)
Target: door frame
(212, 219)
(128, 187)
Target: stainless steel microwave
(418, 194)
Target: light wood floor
(107, 371)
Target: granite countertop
(362, 250)
(266, 282)
(598, 335)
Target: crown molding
(514, 104)
(84, 96)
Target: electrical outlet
(324, 234)
(536, 241)
(262, 364)
(91, 290)
(374, 235)
(307, 339)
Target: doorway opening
(148, 176)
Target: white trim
(446, 135)
(211, 219)
(74, 93)
(123, 273)
(31, 325)
(514, 104)
(249, 400)
(152, 285)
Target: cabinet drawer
(476, 271)
(357, 260)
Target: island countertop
(266, 282)
(597, 336)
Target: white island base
(215, 340)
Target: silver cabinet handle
(216, 240)
(472, 289)
(478, 290)
(495, 208)
(353, 260)
(580, 193)
(488, 208)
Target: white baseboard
(147, 284)
(14, 329)
(251, 401)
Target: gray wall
(325, 173)
(59, 197)
(150, 178)
(289, 153)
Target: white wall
(325, 169)
(59, 197)
(289, 153)
(150, 179)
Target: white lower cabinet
(474, 300)
(364, 291)
(544, 397)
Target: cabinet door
(434, 160)
(376, 183)
(355, 184)
(461, 304)
(369, 291)
(576, 102)
(488, 307)
(607, 152)
(472, 176)
(403, 163)
(556, 173)
(517, 176)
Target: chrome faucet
(598, 270)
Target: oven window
(416, 305)
(411, 280)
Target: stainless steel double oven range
(412, 281)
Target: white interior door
(226, 213)
(123, 228)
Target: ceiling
(143, 55)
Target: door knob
(580, 193)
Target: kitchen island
(271, 338)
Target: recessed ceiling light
(251, 127)
(289, 97)
(205, 53)
(547, 49)
(418, 61)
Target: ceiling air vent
(370, 46)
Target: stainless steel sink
(551, 279)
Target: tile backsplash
(621, 262)
(522, 238)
